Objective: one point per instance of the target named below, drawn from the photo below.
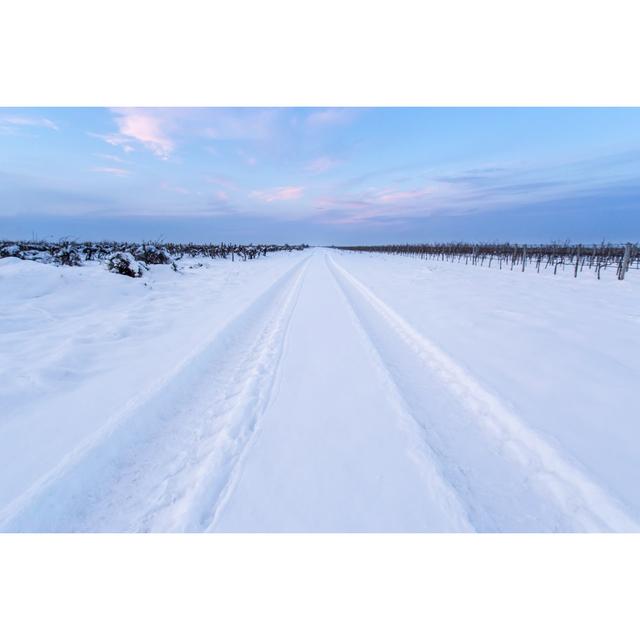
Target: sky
(321, 175)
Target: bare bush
(125, 264)
(131, 258)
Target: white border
(279, 53)
(319, 586)
(291, 52)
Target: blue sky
(325, 175)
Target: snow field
(317, 391)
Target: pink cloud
(116, 171)
(115, 140)
(160, 130)
(383, 205)
(278, 193)
(147, 127)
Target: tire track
(222, 466)
(509, 477)
(337, 451)
(152, 465)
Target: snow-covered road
(324, 404)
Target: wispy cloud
(450, 193)
(247, 158)
(167, 186)
(14, 123)
(223, 181)
(28, 121)
(236, 124)
(111, 158)
(146, 127)
(161, 130)
(115, 140)
(322, 164)
(328, 117)
(389, 196)
(116, 171)
(278, 194)
(349, 167)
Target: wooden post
(624, 264)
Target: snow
(318, 391)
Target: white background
(319, 586)
(330, 52)
(280, 53)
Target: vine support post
(624, 264)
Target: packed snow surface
(318, 391)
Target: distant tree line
(577, 257)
